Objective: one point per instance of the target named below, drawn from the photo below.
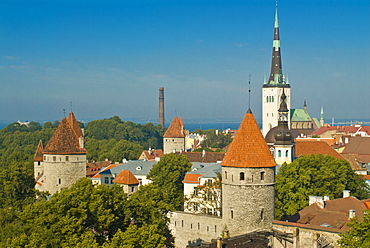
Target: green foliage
(201, 149)
(215, 138)
(134, 237)
(79, 211)
(314, 175)
(148, 135)
(359, 234)
(167, 175)
(114, 150)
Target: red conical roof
(248, 148)
(74, 124)
(126, 177)
(176, 129)
(38, 155)
(64, 141)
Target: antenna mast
(249, 92)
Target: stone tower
(63, 161)
(273, 88)
(284, 147)
(174, 137)
(248, 181)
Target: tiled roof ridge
(126, 177)
(248, 148)
(38, 154)
(175, 130)
(64, 141)
(74, 124)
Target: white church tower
(273, 88)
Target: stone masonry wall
(61, 171)
(248, 201)
(173, 144)
(304, 237)
(189, 227)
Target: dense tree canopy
(215, 138)
(314, 175)
(359, 234)
(167, 175)
(85, 215)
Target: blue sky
(110, 57)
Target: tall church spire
(276, 74)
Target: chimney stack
(346, 193)
(161, 106)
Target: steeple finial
(305, 104)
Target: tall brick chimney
(161, 106)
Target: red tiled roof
(354, 161)
(176, 129)
(248, 148)
(365, 129)
(152, 154)
(342, 129)
(315, 147)
(367, 177)
(335, 213)
(38, 155)
(191, 178)
(64, 141)
(94, 168)
(209, 157)
(107, 168)
(74, 124)
(126, 177)
(358, 145)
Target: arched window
(262, 175)
(287, 153)
(272, 99)
(279, 153)
(267, 99)
(241, 175)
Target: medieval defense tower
(248, 181)
(273, 88)
(63, 161)
(174, 137)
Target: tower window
(59, 181)
(272, 99)
(241, 175)
(54, 158)
(225, 174)
(262, 213)
(232, 214)
(38, 162)
(262, 175)
(67, 158)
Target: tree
(167, 175)
(83, 210)
(314, 175)
(359, 234)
